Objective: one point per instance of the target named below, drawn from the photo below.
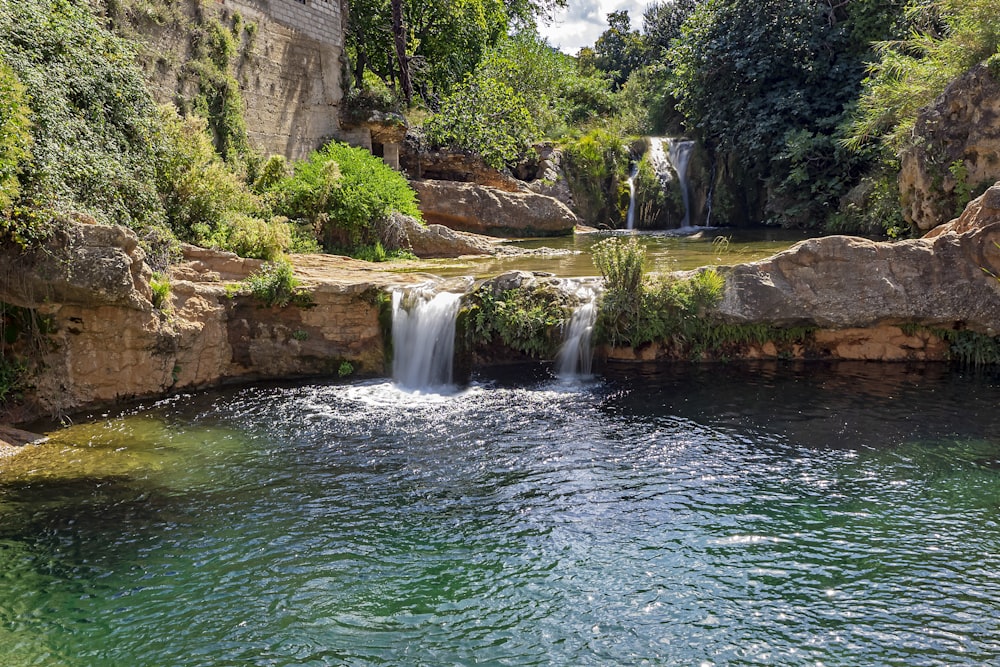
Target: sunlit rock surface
(483, 210)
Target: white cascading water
(423, 337)
(669, 159)
(576, 355)
(630, 217)
(680, 155)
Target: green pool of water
(713, 515)
(665, 252)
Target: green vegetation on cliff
(80, 134)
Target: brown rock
(444, 165)
(482, 210)
(428, 241)
(842, 282)
(982, 211)
(82, 264)
(961, 126)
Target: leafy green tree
(487, 117)
(661, 24)
(770, 81)
(619, 50)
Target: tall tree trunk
(399, 36)
(359, 69)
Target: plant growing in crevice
(160, 286)
(275, 285)
(526, 319)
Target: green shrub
(345, 369)
(526, 320)
(621, 263)
(160, 284)
(276, 285)
(252, 237)
(635, 310)
(343, 192)
(484, 116)
(200, 192)
(596, 169)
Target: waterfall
(680, 155)
(423, 337)
(630, 217)
(670, 158)
(575, 358)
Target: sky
(583, 21)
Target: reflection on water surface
(713, 514)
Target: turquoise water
(665, 251)
(710, 515)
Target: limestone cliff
(103, 341)
(955, 150)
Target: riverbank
(87, 307)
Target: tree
(619, 50)
(661, 24)
(770, 81)
(427, 46)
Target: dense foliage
(522, 90)
(526, 320)
(636, 309)
(342, 192)
(92, 119)
(911, 72)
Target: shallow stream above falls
(666, 251)
(680, 515)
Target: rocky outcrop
(420, 162)
(955, 150)
(842, 282)
(432, 241)
(981, 212)
(84, 263)
(104, 342)
(473, 208)
(543, 174)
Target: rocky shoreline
(104, 342)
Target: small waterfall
(630, 217)
(680, 155)
(670, 158)
(423, 337)
(576, 356)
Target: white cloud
(583, 21)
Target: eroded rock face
(84, 263)
(842, 282)
(961, 128)
(981, 212)
(105, 343)
(482, 210)
(420, 163)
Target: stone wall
(289, 65)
